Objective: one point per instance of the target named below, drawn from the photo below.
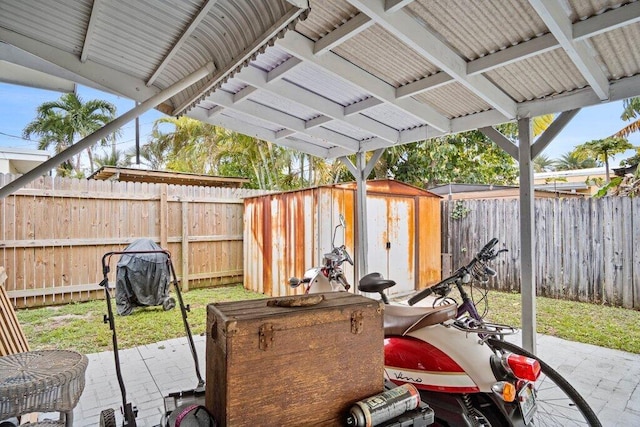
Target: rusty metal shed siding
(287, 233)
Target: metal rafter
(91, 29)
(282, 88)
(354, 26)
(580, 52)
(244, 128)
(297, 45)
(108, 78)
(618, 90)
(204, 11)
(429, 45)
(582, 30)
(281, 119)
(396, 5)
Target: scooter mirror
(335, 230)
(294, 282)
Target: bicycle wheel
(558, 403)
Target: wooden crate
(274, 365)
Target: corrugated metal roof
(350, 68)
(392, 117)
(547, 74)
(454, 100)
(383, 55)
(321, 82)
(475, 29)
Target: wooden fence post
(185, 246)
(164, 214)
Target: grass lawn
(80, 326)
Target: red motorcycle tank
(411, 360)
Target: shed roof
(355, 75)
(167, 177)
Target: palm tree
(543, 163)
(569, 161)
(67, 120)
(631, 111)
(602, 149)
(112, 158)
(191, 147)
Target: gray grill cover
(141, 279)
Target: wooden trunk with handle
(301, 360)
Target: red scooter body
(411, 360)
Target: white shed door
(391, 248)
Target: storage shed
(287, 233)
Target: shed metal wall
(287, 233)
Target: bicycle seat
(374, 282)
(402, 319)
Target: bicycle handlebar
(485, 254)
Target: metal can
(382, 407)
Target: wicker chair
(42, 381)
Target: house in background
(487, 191)
(579, 181)
(21, 161)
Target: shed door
(390, 225)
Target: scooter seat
(402, 319)
(374, 282)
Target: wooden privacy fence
(586, 249)
(55, 231)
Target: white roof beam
(215, 110)
(360, 106)
(204, 11)
(580, 53)
(243, 93)
(395, 5)
(283, 133)
(628, 87)
(255, 77)
(245, 128)
(501, 141)
(108, 78)
(427, 83)
(512, 54)
(284, 120)
(91, 29)
(552, 131)
(298, 45)
(317, 121)
(429, 45)
(282, 69)
(353, 26)
(608, 21)
(581, 30)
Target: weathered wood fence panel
(586, 249)
(54, 232)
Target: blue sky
(18, 107)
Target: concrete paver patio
(608, 379)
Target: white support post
(360, 171)
(527, 235)
(361, 214)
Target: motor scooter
(460, 363)
(329, 277)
